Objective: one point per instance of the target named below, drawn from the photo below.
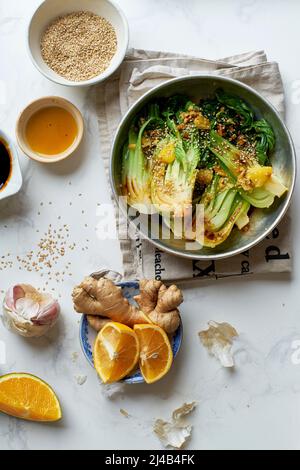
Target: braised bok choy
(215, 153)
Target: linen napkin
(141, 71)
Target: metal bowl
(283, 162)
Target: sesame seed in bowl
(76, 42)
(79, 46)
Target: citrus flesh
(28, 397)
(116, 352)
(156, 354)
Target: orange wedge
(28, 397)
(116, 352)
(156, 354)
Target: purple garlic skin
(28, 312)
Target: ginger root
(97, 322)
(103, 298)
(160, 304)
(102, 301)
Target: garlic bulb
(29, 312)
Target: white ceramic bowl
(37, 105)
(14, 183)
(49, 10)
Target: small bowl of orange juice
(49, 129)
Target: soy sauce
(5, 164)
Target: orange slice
(28, 397)
(116, 352)
(156, 354)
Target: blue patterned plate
(88, 334)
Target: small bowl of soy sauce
(10, 173)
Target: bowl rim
(93, 81)
(66, 104)
(287, 201)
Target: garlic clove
(47, 315)
(13, 294)
(27, 308)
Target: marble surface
(257, 405)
